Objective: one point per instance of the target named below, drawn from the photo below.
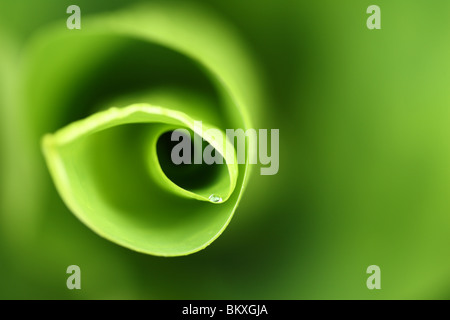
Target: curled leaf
(113, 93)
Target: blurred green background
(364, 165)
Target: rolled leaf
(112, 93)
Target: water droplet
(215, 198)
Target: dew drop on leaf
(215, 198)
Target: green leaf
(112, 92)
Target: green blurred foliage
(364, 166)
